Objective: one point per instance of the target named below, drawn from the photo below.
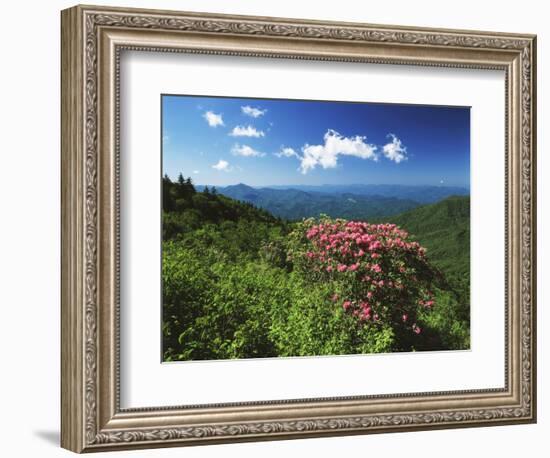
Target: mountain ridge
(419, 193)
(294, 204)
(343, 201)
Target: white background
(145, 76)
(29, 246)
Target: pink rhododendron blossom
(383, 275)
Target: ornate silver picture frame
(93, 39)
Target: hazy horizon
(287, 185)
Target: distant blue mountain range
(339, 201)
(424, 194)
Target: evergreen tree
(168, 202)
(190, 186)
(180, 191)
(181, 180)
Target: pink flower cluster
(357, 242)
(385, 275)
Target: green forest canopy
(229, 290)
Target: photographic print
(307, 228)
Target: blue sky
(262, 142)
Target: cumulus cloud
(213, 119)
(287, 152)
(326, 155)
(395, 150)
(252, 111)
(246, 151)
(222, 166)
(195, 172)
(246, 131)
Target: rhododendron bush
(376, 273)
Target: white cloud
(222, 166)
(395, 151)
(213, 119)
(335, 145)
(196, 172)
(246, 131)
(246, 151)
(287, 152)
(252, 111)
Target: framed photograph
(277, 228)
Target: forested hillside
(239, 282)
(444, 229)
